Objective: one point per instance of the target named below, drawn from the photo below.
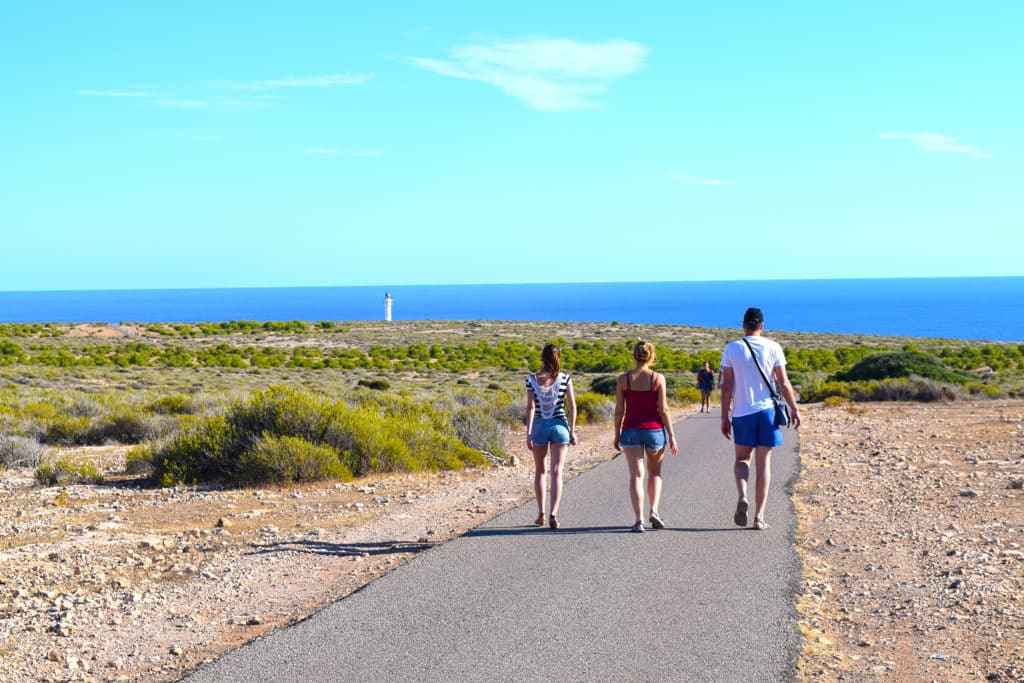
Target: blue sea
(990, 308)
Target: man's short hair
(753, 318)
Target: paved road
(701, 600)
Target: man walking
(753, 411)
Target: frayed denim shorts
(553, 430)
(651, 439)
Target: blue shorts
(757, 430)
(651, 439)
(555, 430)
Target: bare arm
(786, 389)
(531, 409)
(570, 409)
(666, 416)
(620, 409)
(728, 382)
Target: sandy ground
(910, 532)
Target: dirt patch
(911, 526)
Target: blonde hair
(643, 352)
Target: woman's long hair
(551, 357)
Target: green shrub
(175, 404)
(382, 432)
(687, 395)
(287, 460)
(836, 401)
(124, 425)
(19, 451)
(194, 454)
(67, 469)
(375, 384)
(67, 430)
(139, 460)
(898, 364)
(594, 408)
(605, 384)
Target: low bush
(898, 389)
(67, 469)
(67, 430)
(139, 460)
(19, 451)
(124, 425)
(287, 460)
(375, 384)
(479, 429)
(594, 408)
(897, 364)
(257, 437)
(687, 395)
(175, 404)
(605, 384)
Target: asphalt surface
(702, 600)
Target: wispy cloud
(111, 93)
(696, 180)
(327, 81)
(547, 74)
(936, 142)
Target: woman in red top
(642, 422)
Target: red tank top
(642, 407)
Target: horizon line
(509, 284)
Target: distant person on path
(549, 393)
(642, 422)
(753, 412)
(705, 382)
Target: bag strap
(757, 362)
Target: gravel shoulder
(911, 526)
(910, 531)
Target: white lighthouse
(387, 306)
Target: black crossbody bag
(781, 408)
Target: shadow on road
(341, 549)
(535, 530)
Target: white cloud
(695, 180)
(547, 74)
(327, 81)
(936, 142)
(111, 93)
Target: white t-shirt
(750, 393)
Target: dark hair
(552, 359)
(752, 319)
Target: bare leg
(764, 479)
(539, 472)
(654, 461)
(741, 469)
(635, 459)
(558, 451)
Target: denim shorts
(757, 430)
(554, 430)
(651, 439)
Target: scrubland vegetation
(245, 403)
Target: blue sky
(236, 144)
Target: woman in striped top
(550, 423)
